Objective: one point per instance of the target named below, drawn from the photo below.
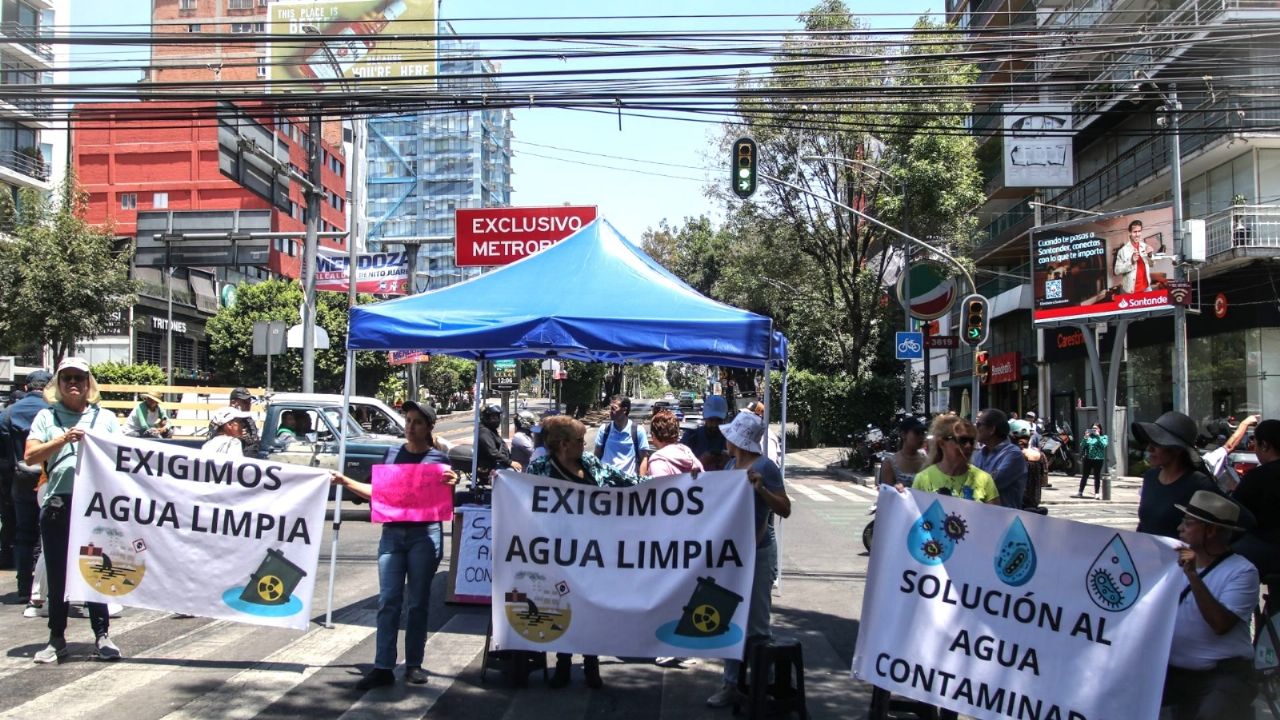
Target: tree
(231, 334)
(684, 376)
(63, 280)
(444, 375)
(581, 390)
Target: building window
(186, 4)
(262, 67)
(160, 200)
(148, 348)
(239, 4)
(128, 201)
(241, 27)
(193, 27)
(184, 353)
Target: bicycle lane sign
(909, 345)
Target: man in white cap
(1211, 658)
(229, 431)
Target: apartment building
(1230, 168)
(33, 144)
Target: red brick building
(158, 156)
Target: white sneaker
(107, 650)
(31, 611)
(724, 697)
(52, 652)
(1097, 496)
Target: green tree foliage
(582, 383)
(444, 375)
(231, 339)
(684, 376)
(62, 279)
(652, 381)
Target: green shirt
(53, 422)
(975, 484)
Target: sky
(648, 171)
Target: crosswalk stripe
(810, 493)
(863, 494)
(249, 692)
(130, 620)
(449, 652)
(84, 696)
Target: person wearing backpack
(23, 478)
(622, 443)
(53, 442)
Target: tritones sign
(500, 236)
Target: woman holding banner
(53, 441)
(742, 439)
(567, 459)
(408, 556)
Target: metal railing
(1242, 226)
(25, 164)
(28, 37)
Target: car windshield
(353, 427)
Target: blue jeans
(408, 554)
(761, 605)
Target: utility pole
(309, 257)
(1181, 401)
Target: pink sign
(411, 493)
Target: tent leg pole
(349, 378)
(475, 435)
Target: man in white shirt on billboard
(1133, 262)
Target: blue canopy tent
(593, 296)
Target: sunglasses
(73, 378)
(962, 439)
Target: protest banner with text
(660, 569)
(164, 527)
(998, 613)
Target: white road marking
(810, 493)
(860, 493)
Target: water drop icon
(1016, 555)
(1112, 580)
(927, 541)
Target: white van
(372, 414)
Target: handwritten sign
(473, 577)
(411, 493)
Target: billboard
(384, 273)
(500, 236)
(1115, 264)
(1037, 146)
(339, 39)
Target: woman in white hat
(742, 439)
(53, 441)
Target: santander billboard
(500, 236)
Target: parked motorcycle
(867, 445)
(1057, 448)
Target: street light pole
(309, 258)
(1181, 379)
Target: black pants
(1223, 693)
(55, 531)
(8, 523)
(1094, 466)
(26, 537)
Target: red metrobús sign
(500, 236)
(1005, 367)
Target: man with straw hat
(147, 419)
(1211, 658)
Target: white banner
(164, 527)
(473, 575)
(659, 569)
(998, 613)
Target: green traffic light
(974, 332)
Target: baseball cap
(222, 416)
(427, 411)
(37, 379)
(241, 394)
(715, 406)
(74, 363)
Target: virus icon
(932, 549)
(926, 525)
(1104, 589)
(955, 527)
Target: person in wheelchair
(1210, 671)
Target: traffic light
(743, 167)
(973, 320)
(981, 366)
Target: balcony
(28, 38)
(24, 164)
(1242, 227)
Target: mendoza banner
(163, 527)
(659, 569)
(998, 613)
(383, 273)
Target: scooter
(1056, 448)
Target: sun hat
(427, 411)
(715, 406)
(222, 416)
(745, 431)
(150, 396)
(74, 363)
(1172, 429)
(1211, 507)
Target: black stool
(785, 694)
(883, 702)
(515, 665)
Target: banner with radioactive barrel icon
(169, 528)
(999, 613)
(660, 569)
